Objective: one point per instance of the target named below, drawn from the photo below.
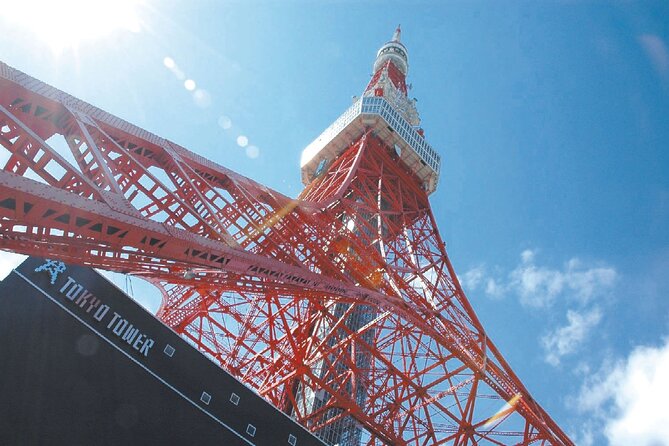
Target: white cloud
(479, 278)
(493, 288)
(657, 52)
(629, 398)
(588, 282)
(9, 261)
(585, 437)
(536, 286)
(527, 256)
(539, 286)
(567, 339)
(472, 278)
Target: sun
(66, 24)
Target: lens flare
(242, 141)
(505, 411)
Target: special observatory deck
(377, 114)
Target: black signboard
(81, 363)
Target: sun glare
(70, 23)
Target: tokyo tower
(340, 307)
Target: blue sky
(552, 120)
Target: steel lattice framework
(340, 307)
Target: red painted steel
(339, 305)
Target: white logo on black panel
(53, 267)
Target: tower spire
(395, 52)
(389, 79)
(397, 35)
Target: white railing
(331, 132)
(377, 105)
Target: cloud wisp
(577, 284)
(566, 339)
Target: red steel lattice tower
(340, 307)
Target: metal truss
(340, 307)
